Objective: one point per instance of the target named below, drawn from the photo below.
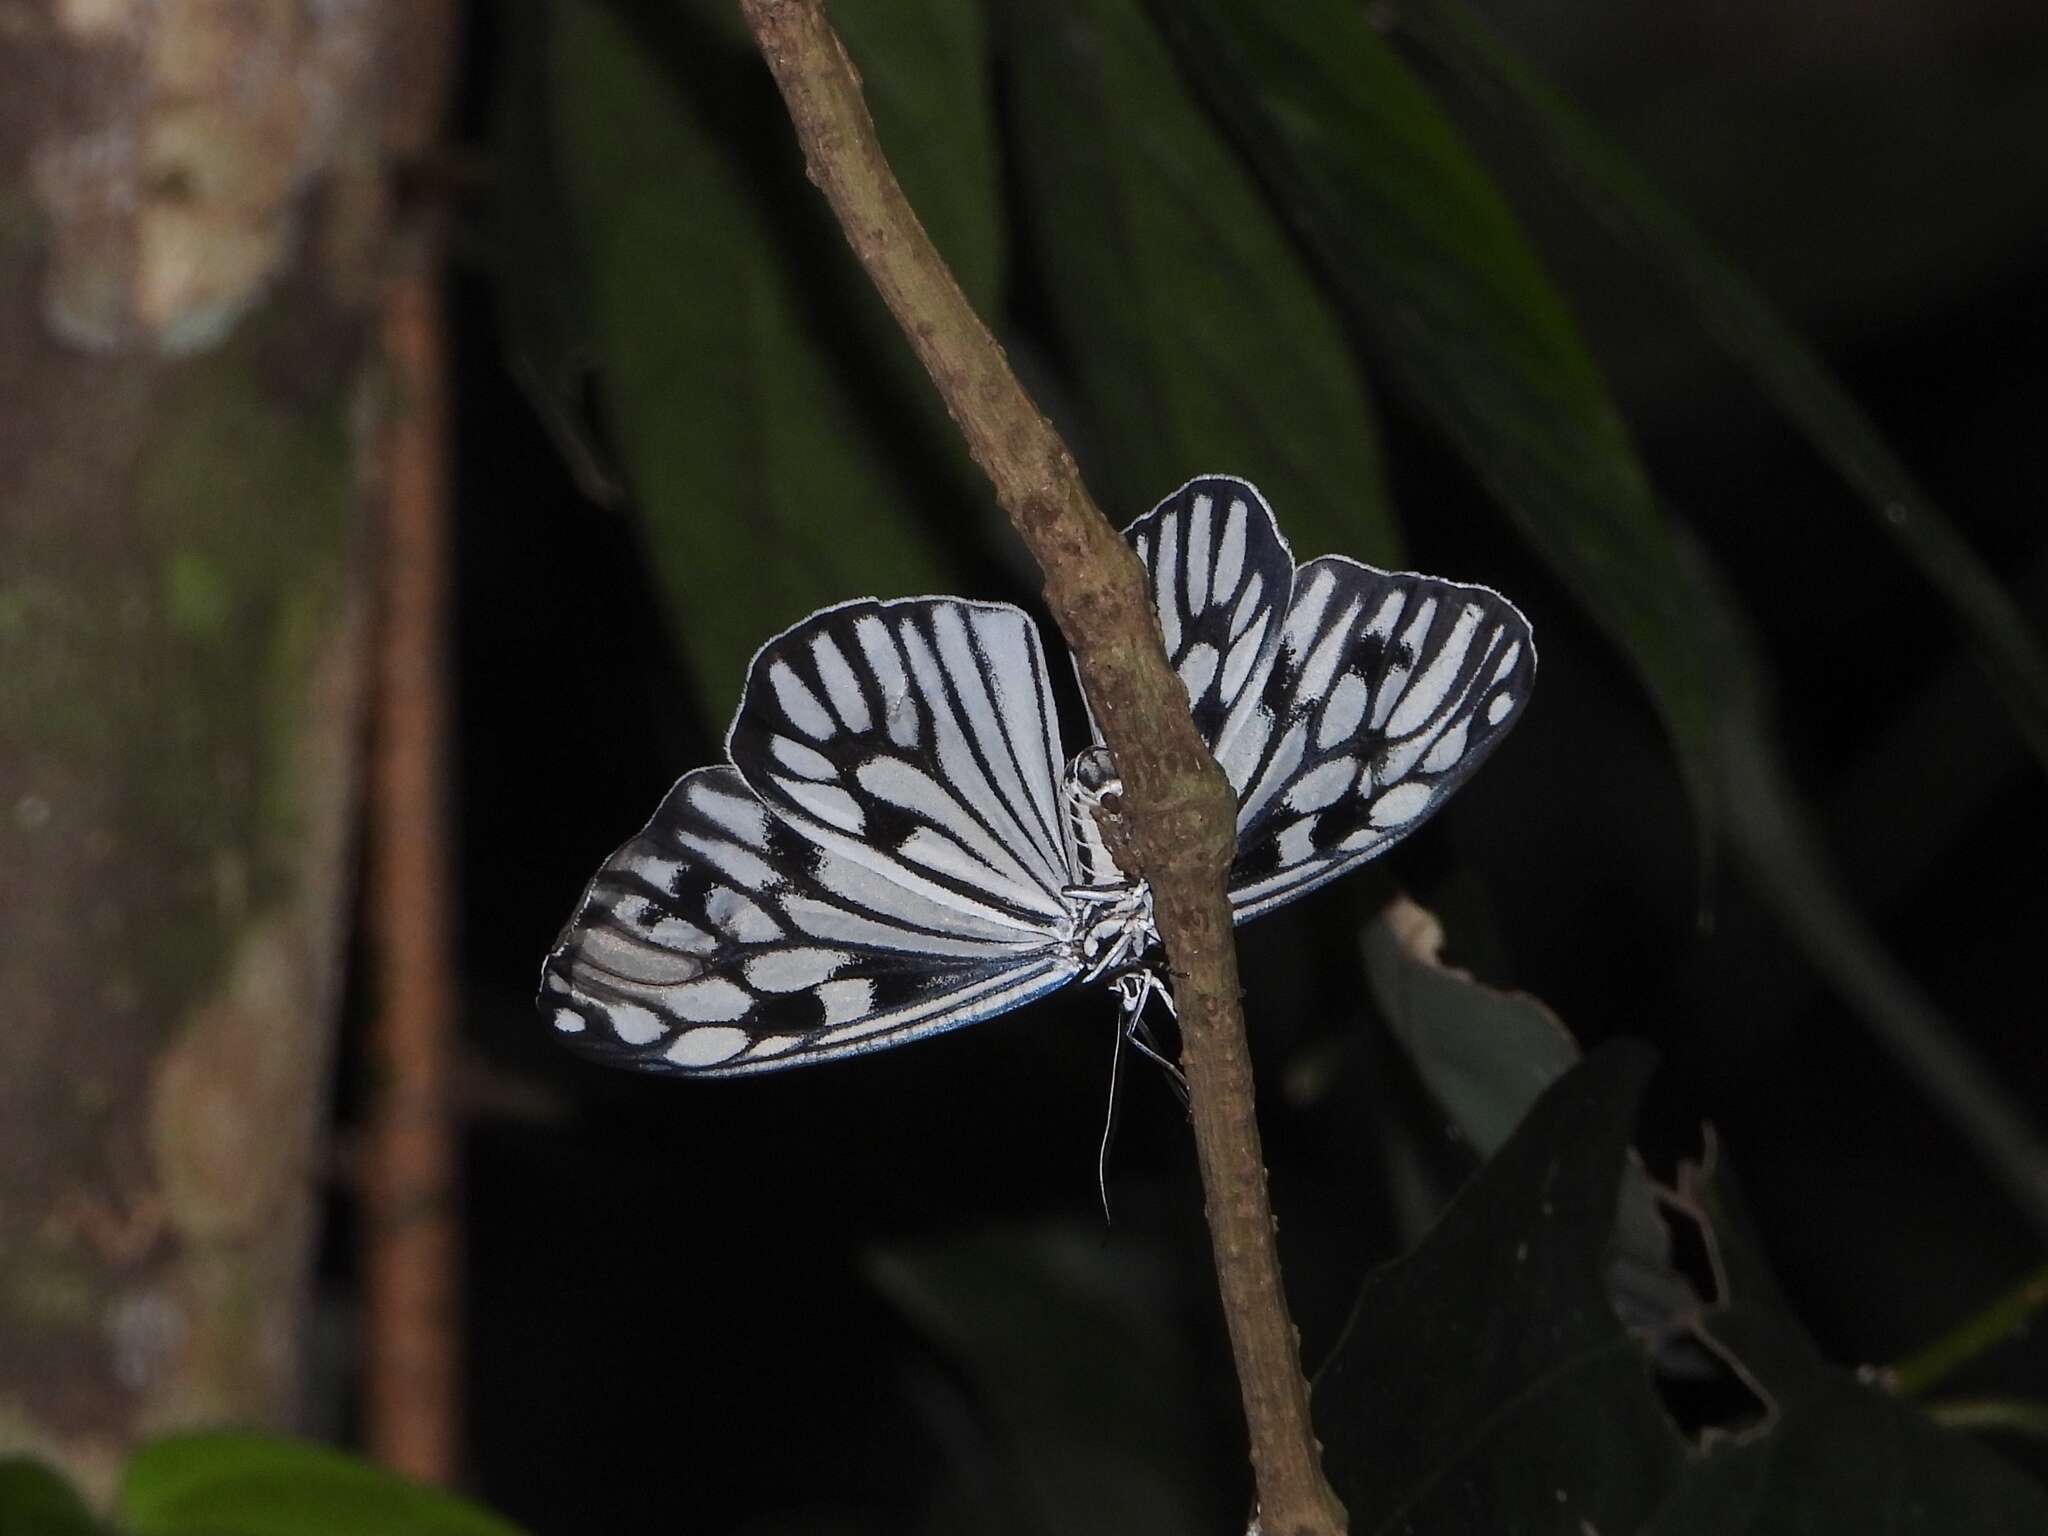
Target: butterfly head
(1097, 844)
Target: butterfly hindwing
(1387, 691)
(720, 940)
(1220, 574)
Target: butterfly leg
(1134, 988)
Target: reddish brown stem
(1180, 809)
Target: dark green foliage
(750, 405)
(240, 1485)
(1205, 228)
(1494, 1352)
(1748, 327)
(254, 1485)
(1486, 1381)
(1200, 339)
(1422, 248)
(34, 1501)
(1095, 1407)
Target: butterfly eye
(1095, 772)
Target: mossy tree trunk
(191, 234)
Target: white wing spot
(1198, 559)
(1448, 749)
(799, 703)
(1163, 578)
(713, 1000)
(1305, 613)
(774, 1045)
(841, 686)
(634, 1024)
(1248, 604)
(1432, 685)
(1230, 554)
(1244, 654)
(800, 759)
(899, 710)
(1343, 710)
(673, 933)
(733, 861)
(745, 818)
(1278, 772)
(1400, 805)
(845, 1001)
(736, 916)
(1319, 672)
(1322, 786)
(1395, 680)
(1382, 622)
(828, 802)
(792, 970)
(569, 1021)
(707, 1047)
(1198, 670)
(1498, 706)
(1297, 842)
(662, 874)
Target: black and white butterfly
(899, 845)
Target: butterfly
(897, 844)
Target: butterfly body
(899, 846)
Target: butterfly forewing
(915, 739)
(1219, 573)
(883, 862)
(1386, 692)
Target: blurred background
(1710, 421)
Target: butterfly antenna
(1124, 1015)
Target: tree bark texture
(191, 228)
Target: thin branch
(412, 1241)
(411, 1374)
(1990, 1325)
(1180, 809)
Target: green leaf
(35, 1501)
(1752, 332)
(1427, 253)
(1200, 340)
(745, 403)
(1480, 1389)
(924, 70)
(252, 1485)
(1424, 251)
(1484, 1055)
(1842, 1455)
(1068, 1342)
(542, 290)
(1485, 1382)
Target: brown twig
(411, 1245)
(1179, 807)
